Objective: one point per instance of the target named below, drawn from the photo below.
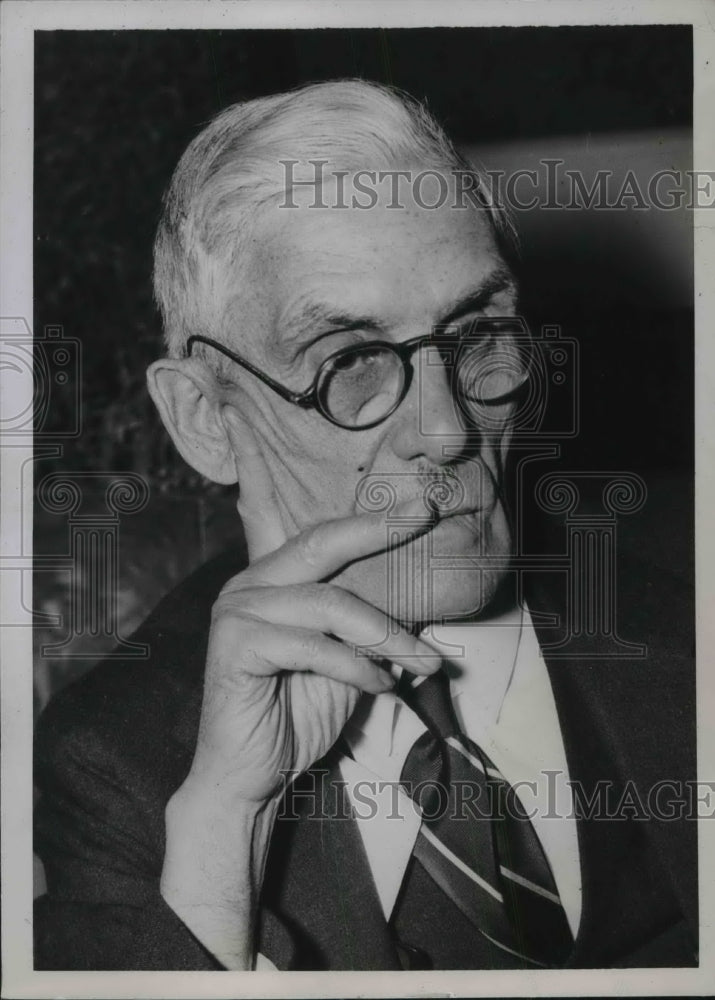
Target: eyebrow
(317, 317)
(499, 280)
(319, 314)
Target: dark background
(113, 113)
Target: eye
(353, 361)
(492, 369)
(362, 385)
(337, 340)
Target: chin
(412, 584)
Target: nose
(427, 424)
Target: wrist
(203, 794)
(216, 849)
(228, 833)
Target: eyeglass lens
(363, 384)
(490, 368)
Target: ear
(185, 395)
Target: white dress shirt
(502, 697)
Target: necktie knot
(431, 700)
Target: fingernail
(424, 650)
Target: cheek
(316, 467)
(317, 488)
(338, 463)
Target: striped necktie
(476, 841)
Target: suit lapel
(319, 881)
(626, 896)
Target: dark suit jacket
(111, 749)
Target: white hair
(234, 166)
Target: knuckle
(228, 628)
(238, 584)
(235, 621)
(226, 607)
(329, 601)
(247, 601)
(253, 659)
(312, 647)
(223, 609)
(311, 547)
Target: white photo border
(19, 20)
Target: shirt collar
(479, 658)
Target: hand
(282, 676)
(284, 669)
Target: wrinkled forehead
(355, 244)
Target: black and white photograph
(356, 374)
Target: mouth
(468, 491)
(449, 496)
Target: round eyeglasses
(359, 386)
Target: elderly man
(349, 754)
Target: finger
(320, 551)
(331, 609)
(257, 505)
(303, 650)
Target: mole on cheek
(361, 468)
